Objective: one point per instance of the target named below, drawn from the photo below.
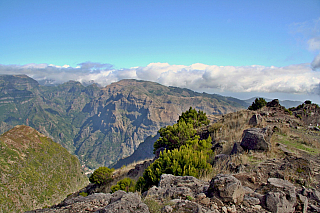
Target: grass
(296, 143)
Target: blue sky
(144, 34)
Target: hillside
(35, 171)
(100, 125)
(262, 161)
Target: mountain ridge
(101, 125)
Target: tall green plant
(172, 137)
(257, 104)
(126, 184)
(195, 118)
(101, 176)
(180, 162)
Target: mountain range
(100, 124)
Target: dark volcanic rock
(237, 149)
(256, 139)
(273, 103)
(255, 120)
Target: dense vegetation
(126, 184)
(185, 153)
(35, 171)
(183, 132)
(101, 176)
(258, 104)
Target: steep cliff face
(100, 125)
(35, 171)
(128, 111)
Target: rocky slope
(35, 171)
(100, 125)
(266, 161)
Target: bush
(140, 184)
(183, 132)
(307, 102)
(288, 111)
(258, 104)
(101, 176)
(83, 194)
(180, 162)
(172, 137)
(126, 184)
(195, 118)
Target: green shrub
(172, 137)
(180, 162)
(83, 194)
(101, 176)
(183, 132)
(195, 118)
(288, 111)
(140, 184)
(189, 198)
(257, 104)
(126, 184)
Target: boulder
(257, 139)
(177, 187)
(227, 188)
(273, 103)
(255, 120)
(129, 202)
(237, 149)
(281, 196)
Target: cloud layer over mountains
(297, 79)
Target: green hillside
(35, 171)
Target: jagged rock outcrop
(177, 187)
(118, 202)
(225, 193)
(256, 139)
(227, 188)
(281, 196)
(273, 103)
(236, 149)
(255, 120)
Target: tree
(195, 118)
(172, 137)
(101, 176)
(183, 132)
(258, 104)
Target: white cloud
(293, 79)
(315, 64)
(314, 43)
